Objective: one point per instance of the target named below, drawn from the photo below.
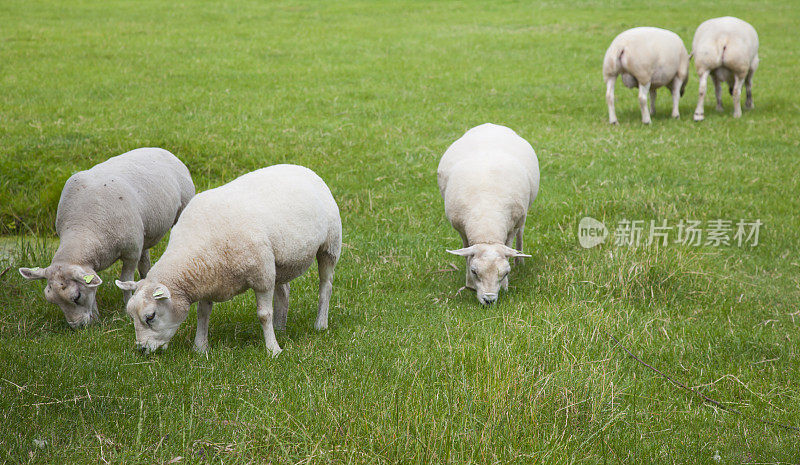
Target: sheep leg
(128, 268)
(464, 241)
(144, 264)
(676, 97)
(701, 97)
(509, 243)
(264, 311)
(201, 336)
(652, 101)
(748, 83)
(470, 281)
(612, 115)
(326, 263)
(717, 91)
(737, 96)
(519, 260)
(281, 306)
(644, 89)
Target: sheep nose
(489, 298)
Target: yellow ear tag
(36, 270)
(158, 293)
(88, 278)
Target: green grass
(369, 95)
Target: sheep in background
(647, 57)
(727, 49)
(116, 210)
(488, 178)
(260, 231)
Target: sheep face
(154, 317)
(487, 269)
(73, 288)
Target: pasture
(369, 95)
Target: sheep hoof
(699, 117)
(275, 350)
(720, 109)
(615, 122)
(201, 349)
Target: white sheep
(260, 231)
(727, 49)
(488, 178)
(647, 57)
(116, 210)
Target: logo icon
(591, 232)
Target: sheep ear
(161, 292)
(84, 276)
(515, 253)
(126, 285)
(91, 279)
(465, 252)
(33, 273)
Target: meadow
(369, 95)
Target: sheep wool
(727, 50)
(260, 231)
(488, 179)
(117, 210)
(647, 58)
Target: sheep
(116, 210)
(727, 49)
(647, 57)
(259, 231)
(488, 179)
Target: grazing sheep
(116, 210)
(647, 57)
(260, 231)
(488, 178)
(727, 49)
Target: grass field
(369, 95)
